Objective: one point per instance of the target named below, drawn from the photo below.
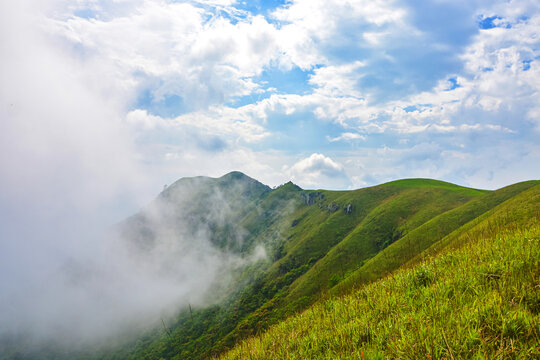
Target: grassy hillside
(415, 242)
(319, 244)
(519, 210)
(305, 233)
(386, 223)
(479, 297)
(364, 221)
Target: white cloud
(347, 136)
(236, 125)
(337, 81)
(318, 170)
(176, 49)
(374, 38)
(310, 26)
(213, 60)
(501, 76)
(497, 81)
(142, 119)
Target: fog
(68, 173)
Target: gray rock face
(333, 207)
(348, 208)
(312, 197)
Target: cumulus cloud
(177, 49)
(312, 30)
(318, 170)
(497, 91)
(338, 81)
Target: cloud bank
(70, 170)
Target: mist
(69, 173)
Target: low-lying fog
(68, 173)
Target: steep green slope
(384, 213)
(480, 300)
(318, 243)
(519, 210)
(424, 236)
(392, 219)
(312, 238)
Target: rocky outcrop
(333, 207)
(312, 197)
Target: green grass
(511, 212)
(324, 245)
(383, 225)
(479, 301)
(316, 250)
(424, 236)
(430, 183)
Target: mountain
(472, 294)
(191, 205)
(319, 243)
(322, 248)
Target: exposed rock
(333, 207)
(348, 208)
(312, 197)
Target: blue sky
(330, 94)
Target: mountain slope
(388, 222)
(476, 298)
(418, 240)
(199, 204)
(318, 244)
(306, 234)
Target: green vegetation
(320, 244)
(414, 243)
(478, 298)
(430, 183)
(323, 245)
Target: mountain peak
(234, 175)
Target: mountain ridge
(319, 244)
(318, 223)
(476, 296)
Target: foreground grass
(480, 301)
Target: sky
(103, 102)
(328, 94)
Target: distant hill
(192, 204)
(320, 245)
